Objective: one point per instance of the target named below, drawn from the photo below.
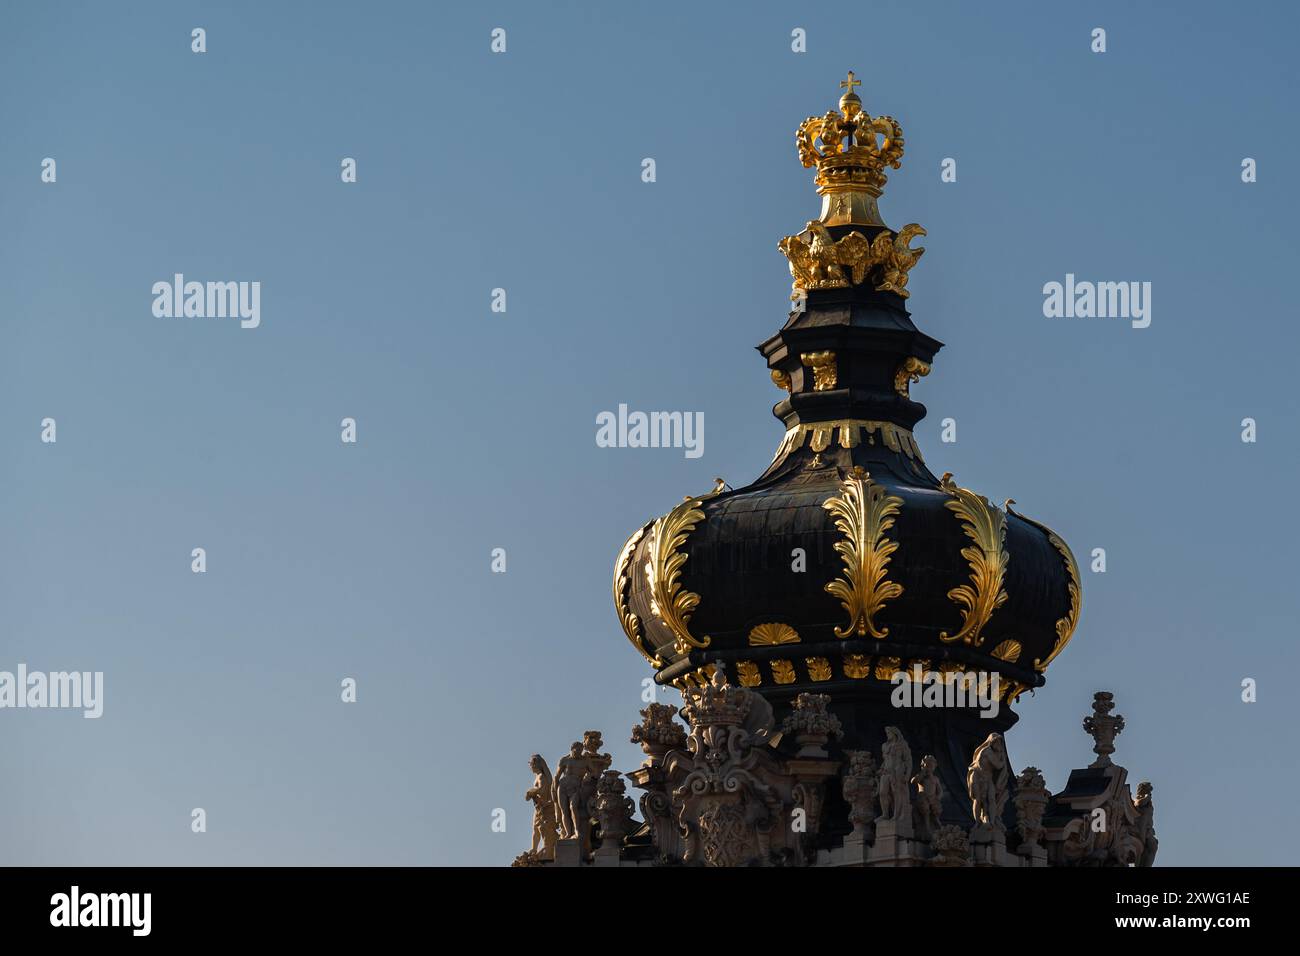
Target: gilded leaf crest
(863, 512)
(986, 526)
(670, 602)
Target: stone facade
(734, 788)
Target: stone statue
(987, 782)
(542, 795)
(569, 774)
(576, 776)
(929, 796)
(895, 779)
(1145, 824)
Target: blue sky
(477, 429)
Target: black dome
(930, 572)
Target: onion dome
(847, 560)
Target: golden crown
(851, 149)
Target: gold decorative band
(848, 433)
(858, 667)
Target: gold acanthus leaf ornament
(863, 512)
(670, 602)
(1066, 625)
(819, 668)
(856, 666)
(626, 617)
(986, 526)
(783, 672)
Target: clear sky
(476, 430)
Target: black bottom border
(368, 904)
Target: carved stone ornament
(1103, 727)
(858, 787)
(951, 846)
(811, 725)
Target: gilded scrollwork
(825, 371)
(986, 526)
(670, 602)
(910, 370)
(863, 512)
(630, 622)
(1066, 625)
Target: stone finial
(1103, 727)
(858, 787)
(951, 846)
(718, 703)
(613, 807)
(658, 732)
(1031, 800)
(811, 724)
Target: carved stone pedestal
(568, 852)
(895, 845)
(854, 852)
(989, 849)
(1033, 856)
(607, 855)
